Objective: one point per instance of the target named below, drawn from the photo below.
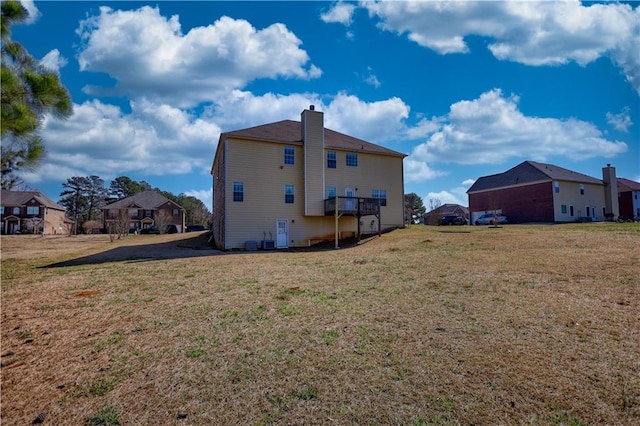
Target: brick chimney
(312, 125)
(610, 191)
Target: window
(381, 194)
(289, 155)
(1, 209)
(176, 212)
(33, 210)
(16, 210)
(352, 159)
(331, 191)
(331, 160)
(581, 189)
(563, 209)
(133, 212)
(288, 194)
(147, 213)
(556, 187)
(238, 191)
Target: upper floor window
(352, 159)
(16, 210)
(289, 155)
(331, 160)
(176, 212)
(147, 213)
(381, 194)
(238, 191)
(133, 212)
(288, 194)
(581, 189)
(556, 187)
(331, 191)
(33, 210)
(1, 209)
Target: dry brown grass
(512, 325)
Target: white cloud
(532, 33)
(53, 61)
(378, 121)
(372, 79)
(155, 139)
(32, 11)
(621, 121)
(456, 196)
(148, 54)
(341, 13)
(491, 129)
(206, 196)
(419, 171)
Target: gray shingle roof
(20, 198)
(289, 131)
(148, 200)
(625, 185)
(529, 172)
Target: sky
(464, 89)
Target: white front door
(282, 233)
(350, 204)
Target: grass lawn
(424, 325)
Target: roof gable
(21, 198)
(530, 172)
(289, 131)
(148, 200)
(625, 185)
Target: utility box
(251, 245)
(268, 244)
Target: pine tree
(29, 92)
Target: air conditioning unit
(268, 245)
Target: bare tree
(163, 218)
(90, 226)
(119, 226)
(434, 204)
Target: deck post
(335, 214)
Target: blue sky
(465, 89)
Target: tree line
(84, 197)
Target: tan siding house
(271, 183)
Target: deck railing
(352, 206)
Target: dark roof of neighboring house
(530, 172)
(148, 200)
(625, 185)
(448, 209)
(289, 131)
(20, 198)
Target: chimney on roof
(611, 205)
(312, 125)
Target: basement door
(282, 233)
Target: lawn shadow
(196, 246)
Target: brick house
(145, 210)
(538, 192)
(434, 215)
(629, 199)
(30, 212)
(297, 183)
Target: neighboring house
(145, 210)
(279, 183)
(432, 217)
(537, 192)
(30, 212)
(629, 199)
